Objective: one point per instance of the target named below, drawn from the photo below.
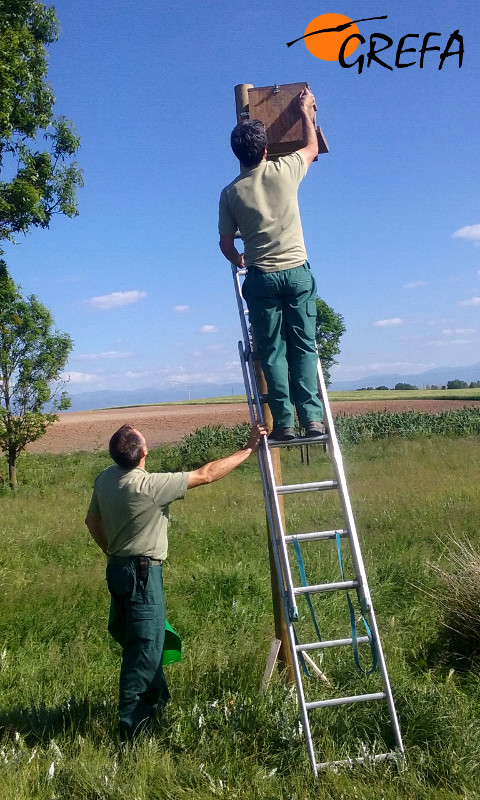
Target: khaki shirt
(262, 203)
(133, 505)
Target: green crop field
(414, 499)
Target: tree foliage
(37, 179)
(32, 355)
(405, 387)
(457, 384)
(330, 327)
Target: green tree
(330, 327)
(32, 356)
(405, 386)
(456, 384)
(36, 179)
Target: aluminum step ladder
(281, 546)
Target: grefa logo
(335, 37)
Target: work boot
(313, 429)
(281, 435)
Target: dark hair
(249, 140)
(126, 447)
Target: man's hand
(256, 434)
(306, 101)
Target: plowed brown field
(91, 430)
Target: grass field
(219, 738)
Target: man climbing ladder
(279, 289)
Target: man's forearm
(215, 470)
(309, 132)
(230, 251)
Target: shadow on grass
(447, 651)
(79, 716)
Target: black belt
(156, 562)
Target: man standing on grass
(128, 519)
(279, 289)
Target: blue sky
(391, 215)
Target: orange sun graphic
(327, 45)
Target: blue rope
(354, 624)
(303, 578)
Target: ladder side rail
(268, 480)
(301, 697)
(278, 533)
(337, 463)
(236, 274)
(357, 558)
(275, 526)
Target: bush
(459, 597)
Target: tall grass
(219, 738)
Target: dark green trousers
(137, 622)
(283, 317)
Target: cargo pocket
(142, 622)
(311, 318)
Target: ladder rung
(339, 701)
(300, 440)
(325, 587)
(331, 643)
(312, 537)
(350, 762)
(317, 486)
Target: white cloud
(415, 284)
(470, 232)
(107, 301)
(79, 377)
(386, 323)
(474, 301)
(457, 331)
(181, 309)
(208, 329)
(448, 342)
(107, 354)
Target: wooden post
(241, 100)
(284, 660)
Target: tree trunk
(12, 470)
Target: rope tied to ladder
(303, 578)
(353, 621)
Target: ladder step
(332, 643)
(312, 537)
(317, 486)
(300, 440)
(325, 587)
(340, 701)
(350, 762)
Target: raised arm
(306, 102)
(214, 470)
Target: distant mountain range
(85, 401)
(438, 376)
(106, 398)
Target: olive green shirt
(262, 203)
(133, 505)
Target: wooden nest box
(277, 107)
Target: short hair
(249, 140)
(126, 447)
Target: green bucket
(172, 650)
